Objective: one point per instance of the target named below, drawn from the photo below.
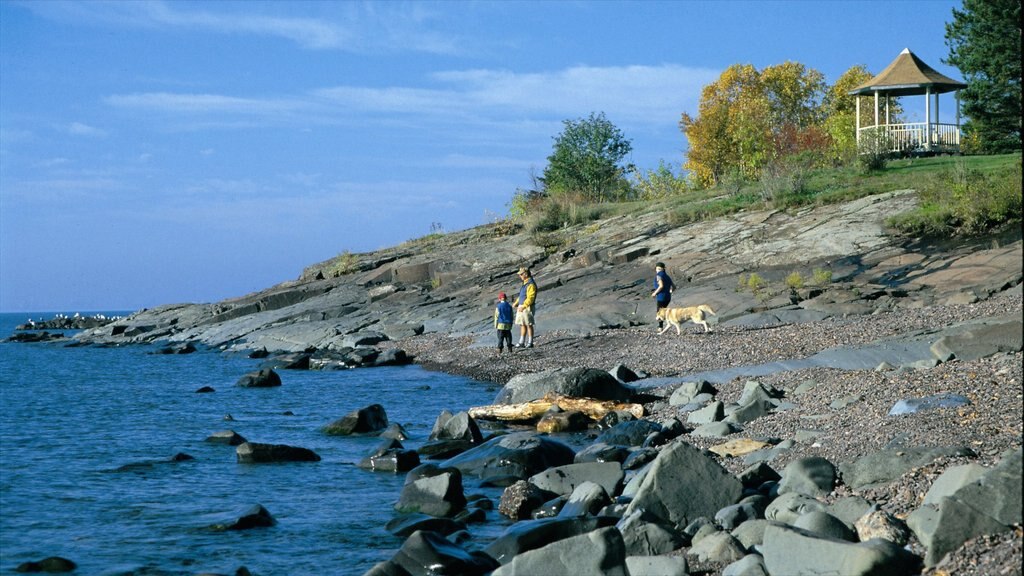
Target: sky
(165, 152)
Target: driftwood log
(595, 409)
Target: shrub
(874, 149)
(755, 282)
(795, 280)
(345, 263)
(821, 277)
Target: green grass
(989, 195)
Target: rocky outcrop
(599, 281)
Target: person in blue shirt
(663, 288)
(503, 322)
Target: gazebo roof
(908, 75)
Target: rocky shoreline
(840, 417)
(767, 446)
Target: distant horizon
(156, 152)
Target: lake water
(72, 416)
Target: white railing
(919, 136)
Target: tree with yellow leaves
(747, 119)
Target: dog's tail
(706, 308)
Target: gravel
(991, 424)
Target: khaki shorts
(524, 317)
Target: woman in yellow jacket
(524, 308)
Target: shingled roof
(907, 75)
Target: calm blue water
(69, 417)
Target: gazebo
(907, 75)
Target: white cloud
(79, 129)
(200, 103)
(355, 27)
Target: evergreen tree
(984, 43)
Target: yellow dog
(676, 316)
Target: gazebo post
(927, 119)
(856, 129)
(876, 108)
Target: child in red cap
(503, 316)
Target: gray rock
(645, 535)
(713, 412)
(915, 405)
(518, 455)
(229, 437)
(944, 528)
(953, 479)
(579, 382)
(657, 566)
(585, 500)
(813, 476)
(460, 426)
(975, 340)
(256, 516)
(732, 516)
(751, 532)
(623, 374)
(750, 411)
(789, 550)
(601, 452)
(687, 391)
(757, 474)
(684, 483)
(257, 453)
(519, 500)
(265, 378)
(749, 565)
(788, 507)
(531, 534)
(406, 524)
(825, 525)
(565, 479)
(598, 553)
(715, 430)
(719, 547)
(433, 490)
(885, 466)
(881, 524)
(630, 433)
(367, 420)
(431, 553)
(754, 391)
(988, 505)
(850, 508)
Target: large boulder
(265, 378)
(685, 483)
(789, 550)
(576, 382)
(565, 479)
(434, 490)
(258, 453)
(367, 420)
(598, 553)
(887, 465)
(988, 505)
(431, 553)
(517, 455)
(531, 534)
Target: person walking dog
(663, 288)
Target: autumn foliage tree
(749, 118)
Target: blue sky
(162, 152)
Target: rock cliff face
(599, 277)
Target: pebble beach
(837, 414)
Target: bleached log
(595, 409)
